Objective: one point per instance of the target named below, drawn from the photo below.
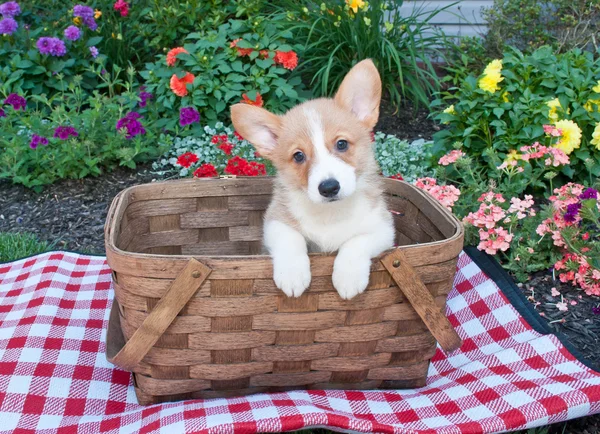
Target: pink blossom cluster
(451, 157)
(492, 235)
(553, 156)
(575, 269)
(564, 196)
(447, 195)
(552, 131)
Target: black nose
(329, 188)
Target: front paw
(292, 274)
(350, 275)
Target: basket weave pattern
(238, 333)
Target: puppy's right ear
(258, 126)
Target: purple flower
(589, 193)
(131, 124)
(37, 140)
(10, 9)
(90, 22)
(596, 310)
(72, 33)
(2, 113)
(144, 97)
(94, 52)
(8, 26)
(63, 133)
(83, 11)
(16, 101)
(52, 46)
(572, 212)
(188, 115)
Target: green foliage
(15, 246)
(395, 156)
(98, 146)
(490, 125)
(530, 24)
(468, 56)
(335, 38)
(222, 76)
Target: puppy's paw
(292, 274)
(350, 275)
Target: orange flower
(288, 60)
(172, 55)
(258, 102)
(178, 85)
(240, 51)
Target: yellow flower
(596, 137)
(97, 13)
(355, 4)
(505, 96)
(512, 156)
(77, 21)
(492, 76)
(450, 110)
(589, 106)
(597, 87)
(554, 105)
(571, 136)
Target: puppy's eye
(299, 157)
(341, 145)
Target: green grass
(15, 246)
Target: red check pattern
(54, 377)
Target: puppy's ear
(258, 126)
(360, 92)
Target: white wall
(462, 19)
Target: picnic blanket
(54, 377)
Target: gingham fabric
(54, 377)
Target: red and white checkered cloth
(54, 377)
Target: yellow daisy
(505, 96)
(597, 87)
(355, 4)
(450, 110)
(554, 105)
(571, 136)
(589, 106)
(596, 137)
(491, 76)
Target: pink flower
(522, 208)
(451, 157)
(493, 240)
(554, 292)
(562, 306)
(551, 130)
(447, 195)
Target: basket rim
(110, 232)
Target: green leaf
(24, 64)
(95, 40)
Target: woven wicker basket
(197, 314)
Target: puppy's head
(321, 147)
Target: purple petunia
(72, 33)
(8, 26)
(94, 52)
(596, 310)
(131, 123)
(572, 212)
(10, 9)
(188, 115)
(51, 46)
(589, 193)
(16, 101)
(63, 133)
(144, 97)
(37, 140)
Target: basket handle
(421, 300)
(156, 323)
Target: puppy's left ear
(360, 92)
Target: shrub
(395, 156)
(338, 34)
(494, 116)
(241, 61)
(530, 24)
(73, 136)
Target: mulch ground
(70, 215)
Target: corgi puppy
(328, 195)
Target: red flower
(122, 6)
(239, 166)
(238, 135)
(258, 102)
(264, 53)
(172, 55)
(206, 171)
(187, 159)
(397, 176)
(240, 51)
(288, 59)
(179, 85)
(226, 147)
